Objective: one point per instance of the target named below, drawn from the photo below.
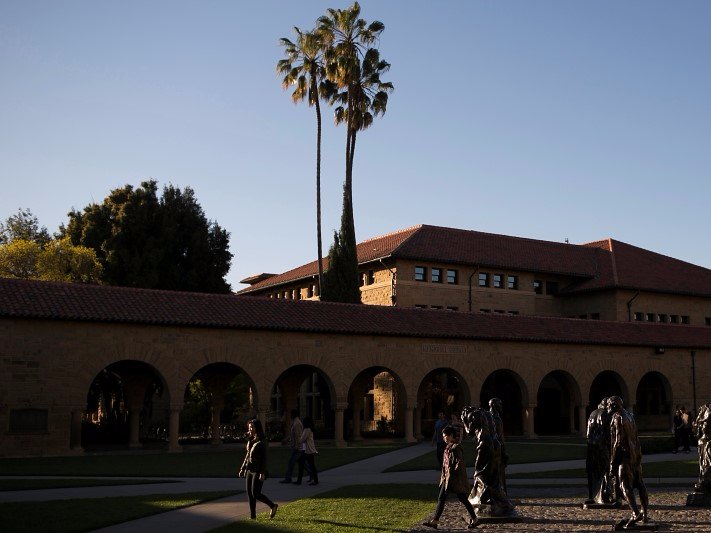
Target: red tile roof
(21, 299)
(599, 265)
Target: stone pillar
(174, 429)
(357, 409)
(528, 422)
(583, 420)
(134, 424)
(409, 419)
(418, 424)
(340, 441)
(135, 386)
(75, 430)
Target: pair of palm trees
(337, 62)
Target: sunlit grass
(94, 513)
(357, 508)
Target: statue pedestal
(698, 499)
(592, 504)
(649, 525)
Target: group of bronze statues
(702, 431)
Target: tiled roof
(599, 265)
(21, 299)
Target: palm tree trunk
(318, 187)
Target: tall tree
(303, 68)
(23, 225)
(354, 67)
(161, 243)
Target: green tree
(18, 259)
(145, 241)
(303, 68)
(23, 225)
(354, 67)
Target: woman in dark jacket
(453, 479)
(254, 468)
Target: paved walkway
(204, 517)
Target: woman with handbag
(308, 452)
(254, 468)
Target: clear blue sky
(547, 119)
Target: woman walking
(453, 479)
(308, 452)
(254, 468)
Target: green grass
(519, 452)
(187, 464)
(37, 484)
(90, 514)
(357, 508)
(663, 469)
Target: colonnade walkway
(209, 515)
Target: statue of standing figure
(496, 408)
(487, 490)
(601, 487)
(702, 430)
(626, 460)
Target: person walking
(685, 430)
(295, 443)
(453, 479)
(678, 429)
(437, 438)
(308, 452)
(254, 468)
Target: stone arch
(558, 405)
(510, 388)
(310, 391)
(442, 389)
(605, 384)
(377, 401)
(126, 403)
(653, 402)
(218, 400)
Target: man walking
(295, 443)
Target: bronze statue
(702, 431)
(626, 459)
(601, 487)
(487, 489)
(496, 408)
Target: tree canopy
(142, 240)
(23, 225)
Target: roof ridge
(392, 233)
(615, 279)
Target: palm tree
(355, 69)
(303, 68)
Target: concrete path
(204, 517)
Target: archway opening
(442, 390)
(377, 406)
(558, 401)
(309, 391)
(507, 386)
(217, 403)
(126, 405)
(653, 403)
(607, 383)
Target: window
(537, 286)
(639, 317)
(420, 273)
(483, 279)
(436, 275)
(512, 282)
(371, 277)
(498, 281)
(452, 277)
(663, 318)
(451, 308)
(685, 319)
(500, 311)
(650, 317)
(286, 295)
(297, 294)
(310, 291)
(582, 316)
(485, 310)
(551, 287)
(674, 319)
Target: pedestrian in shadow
(254, 468)
(308, 452)
(437, 439)
(453, 479)
(297, 427)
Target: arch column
(582, 420)
(418, 424)
(527, 416)
(409, 422)
(338, 429)
(75, 430)
(174, 429)
(357, 409)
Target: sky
(550, 120)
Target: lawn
(54, 483)
(662, 469)
(94, 513)
(186, 464)
(519, 452)
(356, 508)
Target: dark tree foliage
(23, 226)
(341, 282)
(145, 241)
